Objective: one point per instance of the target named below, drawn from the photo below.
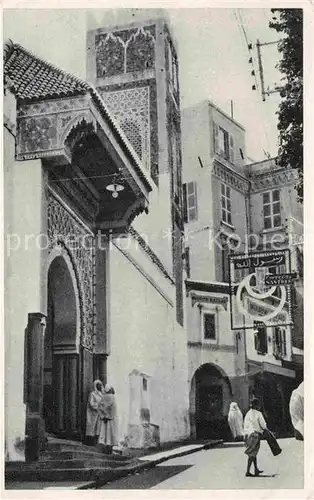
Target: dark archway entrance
(61, 410)
(274, 392)
(211, 391)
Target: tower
(135, 70)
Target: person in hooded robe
(235, 421)
(92, 413)
(108, 415)
(296, 407)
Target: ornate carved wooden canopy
(63, 121)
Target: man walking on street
(254, 426)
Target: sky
(213, 56)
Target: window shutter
(226, 146)
(195, 200)
(215, 138)
(231, 148)
(185, 208)
(187, 262)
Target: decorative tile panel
(125, 51)
(140, 51)
(110, 55)
(44, 126)
(66, 230)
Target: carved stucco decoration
(131, 109)
(43, 127)
(64, 229)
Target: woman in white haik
(92, 414)
(235, 421)
(108, 414)
(254, 426)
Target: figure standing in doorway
(108, 415)
(92, 413)
(235, 421)
(254, 426)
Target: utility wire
(246, 42)
(83, 177)
(242, 29)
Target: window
(279, 343)
(191, 201)
(260, 339)
(225, 204)
(209, 326)
(271, 209)
(223, 143)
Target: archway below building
(274, 392)
(210, 398)
(61, 409)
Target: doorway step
(67, 460)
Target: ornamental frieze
(233, 179)
(267, 180)
(65, 230)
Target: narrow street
(223, 468)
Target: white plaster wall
(199, 233)
(156, 226)
(145, 337)
(24, 279)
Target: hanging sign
(263, 279)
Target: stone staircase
(68, 460)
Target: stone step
(70, 454)
(70, 464)
(69, 474)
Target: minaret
(135, 69)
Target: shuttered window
(223, 143)
(190, 191)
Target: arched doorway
(61, 409)
(209, 399)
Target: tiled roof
(30, 77)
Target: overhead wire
(248, 44)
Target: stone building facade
(226, 213)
